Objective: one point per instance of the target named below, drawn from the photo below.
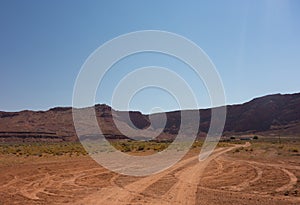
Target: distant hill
(269, 115)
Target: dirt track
(218, 180)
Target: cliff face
(264, 114)
(279, 114)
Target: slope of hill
(272, 114)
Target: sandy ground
(221, 179)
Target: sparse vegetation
(293, 150)
(76, 148)
(270, 147)
(40, 149)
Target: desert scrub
(236, 150)
(43, 148)
(197, 144)
(224, 144)
(271, 147)
(139, 146)
(293, 150)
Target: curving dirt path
(185, 190)
(220, 179)
(127, 193)
(290, 184)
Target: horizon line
(203, 108)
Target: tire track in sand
(185, 190)
(187, 177)
(293, 179)
(248, 182)
(124, 195)
(291, 184)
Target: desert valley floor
(226, 177)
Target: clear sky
(255, 46)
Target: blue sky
(255, 46)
